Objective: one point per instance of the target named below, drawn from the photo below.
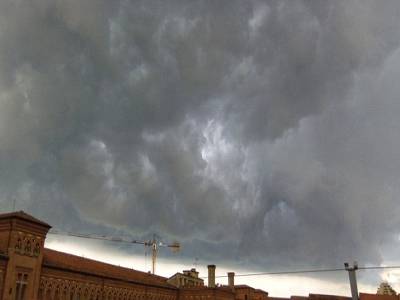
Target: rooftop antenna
(14, 201)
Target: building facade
(30, 271)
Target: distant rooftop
(386, 289)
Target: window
(18, 245)
(28, 247)
(36, 250)
(21, 283)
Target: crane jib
(154, 244)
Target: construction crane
(154, 243)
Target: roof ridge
(24, 216)
(150, 277)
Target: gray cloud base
(261, 130)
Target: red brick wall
(63, 284)
(66, 275)
(4, 237)
(3, 266)
(327, 297)
(205, 293)
(244, 292)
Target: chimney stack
(231, 279)
(211, 276)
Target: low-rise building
(188, 278)
(385, 289)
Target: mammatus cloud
(261, 130)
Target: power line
(378, 267)
(309, 271)
(98, 237)
(282, 272)
(155, 244)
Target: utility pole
(353, 279)
(154, 247)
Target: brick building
(29, 271)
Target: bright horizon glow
(277, 286)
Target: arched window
(36, 250)
(18, 245)
(28, 247)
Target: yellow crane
(154, 243)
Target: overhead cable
(309, 271)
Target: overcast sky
(263, 135)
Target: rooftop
(23, 216)
(56, 259)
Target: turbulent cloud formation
(265, 130)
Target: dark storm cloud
(268, 126)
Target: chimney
(211, 276)
(231, 279)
